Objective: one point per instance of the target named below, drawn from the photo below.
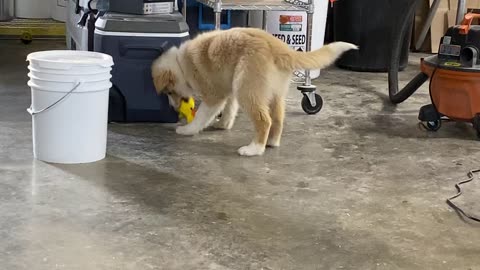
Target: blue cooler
(134, 42)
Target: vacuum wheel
(476, 124)
(307, 106)
(433, 125)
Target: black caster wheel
(476, 124)
(307, 106)
(433, 125)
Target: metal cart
(312, 102)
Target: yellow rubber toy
(187, 110)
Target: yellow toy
(187, 110)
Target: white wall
(32, 9)
(59, 11)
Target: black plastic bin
(371, 25)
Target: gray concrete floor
(358, 186)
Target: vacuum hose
(398, 96)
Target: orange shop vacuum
(454, 75)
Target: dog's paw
(224, 125)
(252, 149)
(187, 130)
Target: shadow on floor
(232, 220)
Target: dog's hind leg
(277, 111)
(277, 108)
(254, 100)
(228, 115)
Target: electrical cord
(470, 175)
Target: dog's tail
(320, 58)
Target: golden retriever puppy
(241, 66)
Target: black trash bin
(370, 24)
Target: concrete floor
(358, 186)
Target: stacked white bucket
(70, 91)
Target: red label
(289, 18)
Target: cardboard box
(439, 24)
(438, 28)
(417, 27)
(444, 18)
(451, 18)
(420, 17)
(443, 4)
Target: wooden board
(438, 28)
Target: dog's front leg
(204, 116)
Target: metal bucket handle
(33, 113)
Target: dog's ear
(163, 79)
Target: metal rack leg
(309, 44)
(264, 20)
(218, 14)
(184, 10)
(307, 89)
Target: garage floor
(358, 186)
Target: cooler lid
(158, 23)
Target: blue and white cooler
(134, 42)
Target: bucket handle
(33, 113)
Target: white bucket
(40, 75)
(78, 70)
(70, 91)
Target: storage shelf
(266, 5)
(41, 28)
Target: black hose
(404, 31)
(95, 11)
(78, 8)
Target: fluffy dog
(241, 66)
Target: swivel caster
(433, 125)
(431, 119)
(312, 103)
(307, 105)
(476, 124)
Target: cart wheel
(307, 106)
(434, 125)
(26, 38)
(476, 124)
